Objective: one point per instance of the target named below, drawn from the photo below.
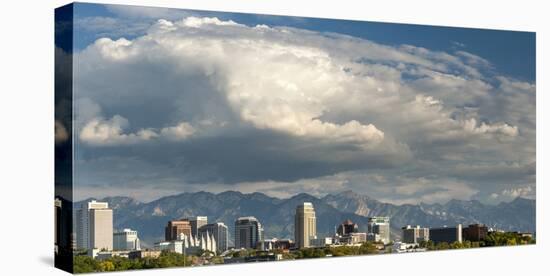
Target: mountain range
(277, 215)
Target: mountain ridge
(277, 215)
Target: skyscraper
(196, 223)
(347, 227)
(94, 225)
(220, 233)
(305, 225)
(379, 227)
(248, 232)
(126, 239)
(101, 229)
(175, 228)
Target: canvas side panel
(63, 206)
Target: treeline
(492, 239)
(85, 264)
(306, 253)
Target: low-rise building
(475, 232)
(351, 238)
(103, 255)
(321, 242)
(263, 258)
(415, 234)
(126, 239)
(446, 234)
(402, 247)
(140, 254)
(171, 246)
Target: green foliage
(217, 260)
(85, 264)
(243, 253)
(492, 239)
(336, 251)
(506, 238)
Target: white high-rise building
(379, 228)
(126, 239)
(94, 225)
(305, 225)
(219, 232)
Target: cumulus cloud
(298, 105)
(471, 125)
(99, 131)
(197, 22)
(110, 132)
(180, 132)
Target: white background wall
(26, 143)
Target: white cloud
(473, 60)
(527, 191)
(101, 132)
(198, 22)
(471, 125)
(180, 132)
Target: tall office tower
(248, 232)
(305, 224)
(101, 229)
(196, 223)
(94, 226)
(175, 228)
(220, 233)
(380, 228)
(126, 239)
(415, 234)
(347, 227)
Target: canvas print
(193, 138)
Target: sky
(169, 101)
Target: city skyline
(342, 105)
(248, 233)
(209, 245)
(184, 218)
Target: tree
(442, 246)
(106, 266)
(84, 264)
